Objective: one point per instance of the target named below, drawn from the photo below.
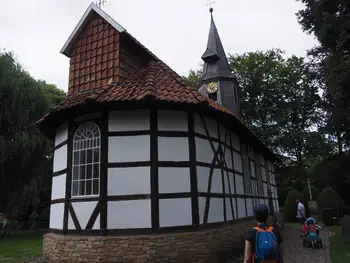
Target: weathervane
(210, 4)
(101, 3)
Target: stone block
(204, 246)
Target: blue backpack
(266, 246)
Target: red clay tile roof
(157, 82)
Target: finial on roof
(210, 3)
(100, 3)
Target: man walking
(301, 212)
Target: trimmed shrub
(290, 206)
(330, 199)
(306, 197)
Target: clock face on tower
(212, 87)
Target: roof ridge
(180, 81)
(150, 80)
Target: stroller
(307, 241)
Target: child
(269, 250)
(312, 229)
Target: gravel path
(294, 252)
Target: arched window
(86, 160)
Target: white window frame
(87, 140)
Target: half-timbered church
(145, 167)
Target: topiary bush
(306, 197)
(290, 206)
(330, 199)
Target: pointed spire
(216, 64)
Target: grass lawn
(340, 252)
(19, 246)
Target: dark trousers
(302, 220)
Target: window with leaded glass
(86, 160)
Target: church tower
(217, 82)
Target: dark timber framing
(65, 142)
(219, 161)
(104, 169)
(69, 174)
(193, 170)
(154, 169)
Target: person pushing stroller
(311, 233)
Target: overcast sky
(175, 30)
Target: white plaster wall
(129, 120)
(228, 158)
(56, 216)
(129, 214)
(251, 152)
(129, 148)
(272, 166)
(61, 134)
(58, 187)
(201, 208)
(263, 173)
(262, 201)
(224, 134)
(255, 187)
(60, 159)
(241, 207)
(272, 178)
(252, 168)
(216, 210)
(128, 181)
(203, 180)
(204, 151)
(237, 159)
(173, 149)
(235, 141)
(210, 123)
(172, 120)
(174, 180)
(84, 210)
(274, 191)
(266, 202)
(239, 184)
(262, 159)
(70, 222)
(250, 210)
(229, 182)
(175, 212)
(97, 224)
(265, 189)
(229, 215)
(277, 208)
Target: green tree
(328, 21)
(24, 153)
(193, 78)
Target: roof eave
(66, 49)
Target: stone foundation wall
(210, 245)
